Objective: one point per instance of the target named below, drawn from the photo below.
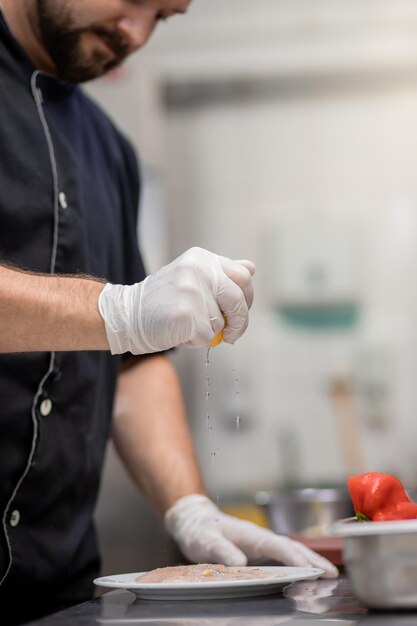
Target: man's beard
(62, 40)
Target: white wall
(326, 126)
(242, 171)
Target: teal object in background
(321, 317)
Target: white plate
(204, 591)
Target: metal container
(299, 510)
(381, 561)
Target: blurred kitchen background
(284, 131)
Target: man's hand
(205, 534)
(184, 303)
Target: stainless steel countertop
(321, 602)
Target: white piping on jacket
(37, 95)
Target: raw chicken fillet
(202, 573)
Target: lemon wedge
(218, 338)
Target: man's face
(87, 38)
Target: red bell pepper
(380, 497)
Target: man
(68, 198)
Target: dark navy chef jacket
(68, 204)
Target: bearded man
(83, 330)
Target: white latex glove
(205, 534)
(184, 303)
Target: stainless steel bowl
(381, 562)
(309, 509)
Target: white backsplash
(311, 110)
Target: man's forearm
(151, 433)
(46, 313)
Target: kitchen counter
(311, 602)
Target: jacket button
(62, 199)
(14, 518)
(45, 407)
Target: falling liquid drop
(207, 362)
(237, 395)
